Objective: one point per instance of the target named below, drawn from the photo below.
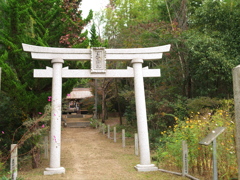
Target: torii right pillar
(145, 159)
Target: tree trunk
(103, 106)
(36, 157)
(118, 103)
(105, 86)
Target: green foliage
(2, 167)
(204, 44)
(130, 109)
(94, 42)
(74, 24)
(213, 46)
(210, 66)
(128, 134)
(195, 73)
(39, 24)
(193, 130)
(200, 104)
(5, 178)
(18, 129)
(9, 178)
(22, 96)
(11, 118)
(94, 123)
(129, 22)
(129, 129)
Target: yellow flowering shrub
(193, 130)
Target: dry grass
(89, 155)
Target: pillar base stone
(146, 168)
(52, 171)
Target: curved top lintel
(150, 53)
(40, 49)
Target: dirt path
(90, 155)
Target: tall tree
(94, 41)
(75, 23)
(122, 15)
(213, 46)
(38, 23)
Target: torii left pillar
(55, 136)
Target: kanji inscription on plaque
(98, 60)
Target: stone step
(78, 124)
(75, 116)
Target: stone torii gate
(98, 57)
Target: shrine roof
(79, 93)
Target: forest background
(192, 96)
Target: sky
(95, 5)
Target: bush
(2, 168)
(94, 123)
(193, 130)
(198, 104)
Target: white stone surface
(108, 131)
(84, 73)
(112, 57)
(128, 57)
(47, 53)
(145, 159)
(114, 134)
(98, 60)
(43, 73)
(41, 49)
(52, 171)
(146, 168)
(123, 138)
(49, 56)
(149, 50)
(55, 137)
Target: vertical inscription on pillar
(98, 60)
